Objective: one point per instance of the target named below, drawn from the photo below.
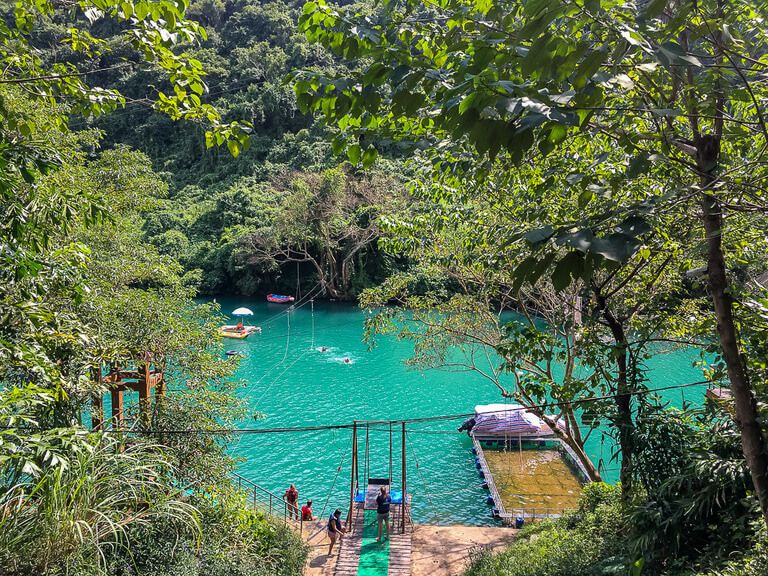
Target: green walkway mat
(374, 556)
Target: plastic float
(279, 298)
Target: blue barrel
(482, 474)
(484, 485)
(495, 512)
(489, 500)
(474, 450)
(478, 465)
(519, 522)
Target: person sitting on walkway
(335, 529)
(383, 501)
(291, 498)
(306, 512)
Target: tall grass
(69, 517)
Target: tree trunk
(746, 415)
(577, 448)
(623, 398)
(574, 444)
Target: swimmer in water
(323, 349)
(347, 361)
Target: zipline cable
(385, 423)
(312, 302)
(279, 363)
(267, 389)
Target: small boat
(238, 331)
(279, 299)
(505, 420)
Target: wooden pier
(351, 545)
(352, 552)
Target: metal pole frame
(352, 475)
(404, 476)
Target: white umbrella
(242, 312)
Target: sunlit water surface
(291, 382)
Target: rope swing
(312, 307)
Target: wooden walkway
(351, 545)
(400, 545)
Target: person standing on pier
(383, 501)
(335, 529)
(291, 498)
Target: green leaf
(338, 144)
(521, 272)
(569, 267)
(234, 147)
(615, 247)
(637, 165)
(540, 235)
(354, 153)
(585, 197)
(654, 8)
(587, 68)
(369, 157)
(466, 103)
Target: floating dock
(510, 516)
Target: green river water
(292, 383)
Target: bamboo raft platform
(509, 517)
(400, 543)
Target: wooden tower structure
(146, 377)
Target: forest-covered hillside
(221, 208)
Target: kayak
(279, 299)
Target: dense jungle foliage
(599, 166)
(83, 293)
(219, 205)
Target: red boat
(279, 299)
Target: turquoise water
(291, 383)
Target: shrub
(65, 517)
(587, 542)
(235, 541)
